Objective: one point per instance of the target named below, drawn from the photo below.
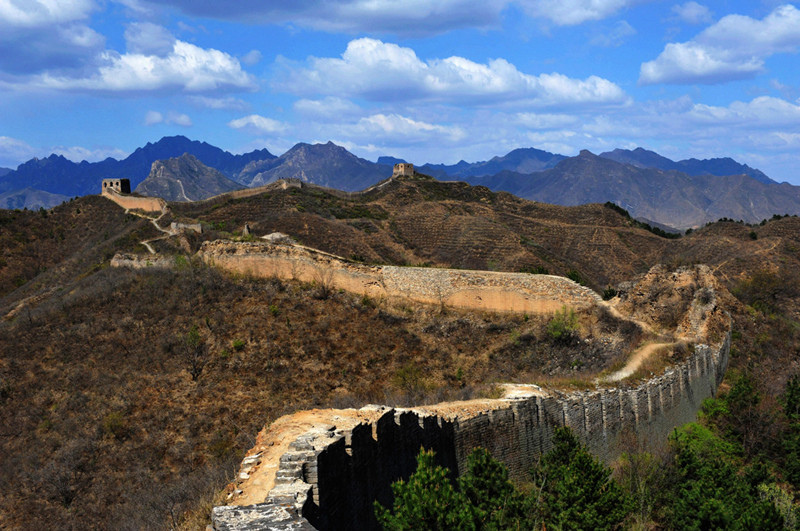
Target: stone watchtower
(120, 186)
(403, 169)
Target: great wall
(113, 190)
(477, 290)
(323, 469)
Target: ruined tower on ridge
(120, 186)
(403, 169)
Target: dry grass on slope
(105, 427)
(57, 244)
(446, 224)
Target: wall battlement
(330, 477)
(477, 290)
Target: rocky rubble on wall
(136, 261)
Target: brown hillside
(451, 224)
(57, 244)
(104, 426)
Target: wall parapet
(478, 290)
(330, 477)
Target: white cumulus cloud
(79, 153)
(186, 67)
(733, 48)
(380, 71)
(153, 118)
(171, 118)
(179, 119)
(406, 17)
(545, 121)
(251, 58)
(327, 108)
(14, 151)
(400, 17)
(616, 36)
(257, 124)
(37, 35)
(149, 39)
(764, 111)
(228, 103)
(401, 128)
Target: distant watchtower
(404, 169)
(121, 186)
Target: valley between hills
(109, 421)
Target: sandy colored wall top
(148, 204)
(481, 290)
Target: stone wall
(148, 204)
(137, 261)
(481, 290)
(331, 477)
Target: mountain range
(30, 198)
(58, 175)
(642, 158)
(324, 164)
(666, 197)
(523, 160)
(678, 194)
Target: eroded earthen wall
(148, 204)
(481, 290)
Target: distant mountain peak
(521, 160)
(325, 164)
(184, 178)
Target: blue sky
(426, 81)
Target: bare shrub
(69, 472)
(323, 283)
(194, 352)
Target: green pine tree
(427, 501)
(710, 492)
(481, 499)
(497, 504)
(574, 490)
